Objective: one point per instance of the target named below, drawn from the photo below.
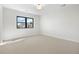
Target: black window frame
(24, 22)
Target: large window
(25, 22)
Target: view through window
(25, 22)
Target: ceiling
(28, 8)
(31, 8)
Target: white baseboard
(13, 40)
(19, 39)
(8, 42)
(60, 37)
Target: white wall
(1, 16)
(10, 30)
(61, 22)
(56, 21)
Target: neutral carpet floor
(41, 44)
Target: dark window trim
(25, 21)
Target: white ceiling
(31, 8)
(28, 8)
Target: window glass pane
(21, 25)
(29, 22)
(21, 19)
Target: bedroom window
(24, 22)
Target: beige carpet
(41, 44)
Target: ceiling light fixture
(39, 6)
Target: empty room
(39, 28)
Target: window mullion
(25, 22)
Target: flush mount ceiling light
(39, 6)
